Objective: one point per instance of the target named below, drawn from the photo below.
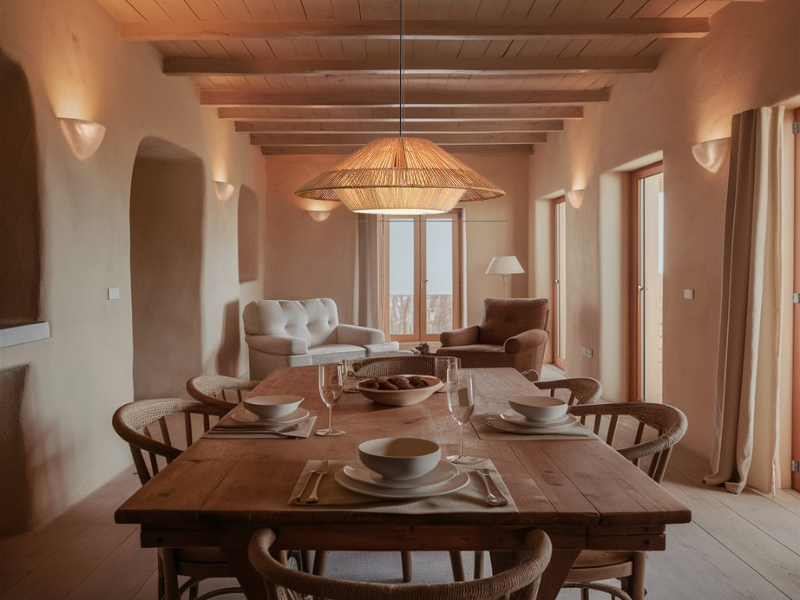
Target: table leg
(251, 580)
(553, 578)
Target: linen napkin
(482, 424)
(332, 496)
(230, 429)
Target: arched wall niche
(166, 228)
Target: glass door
(424, 282)
(648, 270)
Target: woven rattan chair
(287, 584)
(649, 453)
(575, 390)
(613, 592)
(141, 424)
(219, 390)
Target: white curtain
(368, 271)
(754, 317)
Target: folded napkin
(471, 498)
(483, 426)
(230, 429)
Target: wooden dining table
(580, 491)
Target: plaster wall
(76, 66)
(318, 259)
(751, 58)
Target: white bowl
(273, 407)
(403, 397)
(400, 458)
(539, 409)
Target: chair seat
(458, 350)
(334, 352)
(598, 558)
(596, 565)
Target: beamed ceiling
(322, 76)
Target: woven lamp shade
(404, 176)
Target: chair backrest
(313, 320)
(506, 317)
(219, 390)
(668, 422)
(134, 423)
(575, 390)
(391, 365)
(288, 584)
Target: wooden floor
(736, 548)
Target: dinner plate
(246, 416)
(442, 472)
(428, 491)
(514, 417)
(511, 427)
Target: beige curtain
(753, 321)
(369, 261)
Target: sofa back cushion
(313, 320)
(504, 318)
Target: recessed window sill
(13, 335)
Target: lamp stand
(504, 286)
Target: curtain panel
(753, 315)
(369, 272)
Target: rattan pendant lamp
(400, 176)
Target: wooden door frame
(556, 276)
(635, 365)
(795, 452)
(420, 281)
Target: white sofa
(293, 333)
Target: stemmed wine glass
(330, 390)
(461, 403)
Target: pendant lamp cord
(402, 60)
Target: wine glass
(461, 403)
(330, 390)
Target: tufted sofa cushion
(314, 320)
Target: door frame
(795, 445)
(556, 315)
(636, 362)
(420, 275)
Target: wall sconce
(223, 189)
(711, 154)
(575, 197)
(83, 137)
(319, 215)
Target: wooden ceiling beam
(413, 99)
(391, 127)
(411, 67)
(344, 150)
(360, 138)
(412, 115)
(415, 30)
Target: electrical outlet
(688, 294)
(587, 352)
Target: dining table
(579, 490)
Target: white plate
(442, 472)
(514, 417)
(440, 489)
(403, 397)
(246, 416)
(511, 427)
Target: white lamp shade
(223, 190)
(711, 154)
(319, 215)
(504, 265)
(83, 137)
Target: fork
(491, 498)
(320, 472)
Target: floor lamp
(504, 265)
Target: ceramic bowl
(539, 409)
(400, 458)
(273, 407)
(403, 397)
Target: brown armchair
(512, 333)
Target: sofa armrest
(277, 344)
(358, 336)
(527, 340)
(460, 337)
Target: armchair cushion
(359, 336)
(275, 344)
(504, 318)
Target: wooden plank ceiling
(488, 76)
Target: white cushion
(313, 320)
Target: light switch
(113, 293)
(688, 294)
